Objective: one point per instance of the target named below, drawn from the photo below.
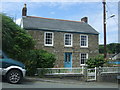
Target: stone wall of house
(59, 49)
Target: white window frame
(86, 58)
(86, 41)
(71, 40)
(45, 39)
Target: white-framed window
(68, 39)
(83, 40)
(48, 38)
(83, 58)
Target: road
(42, 84)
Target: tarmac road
(58, 83)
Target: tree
(112, 48)
(19, 45)
(95, 61)
(39, 59)
(101, 49)
(15, 41)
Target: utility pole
(104, 23)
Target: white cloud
(52, 13)
(67, 5)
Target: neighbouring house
(109, 56)
(116, 57)
(113, 57)
(73, 42)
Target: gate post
(99, 74)
(85, 74)
(95, 73)
(83, 70)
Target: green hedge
(39, 59)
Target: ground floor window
(83, 58)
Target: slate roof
(40, 23)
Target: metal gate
(91, 74)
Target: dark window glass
(83, 58)
(68, 40)
(48, 39)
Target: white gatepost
(95, 73)
(82, 69)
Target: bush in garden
(97, 61)
(39, 59)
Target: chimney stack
(84, 19)
(24, 10)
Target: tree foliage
(39, 59)
(95, 61)
(112, 48)
(19, 45)
(15, 40)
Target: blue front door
(68, 60)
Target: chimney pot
(84, 19)
(24, 10)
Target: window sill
(48, 45)
(68, 46)
(82, 64)
(84, 47)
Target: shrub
(95, 61)
(38, 59)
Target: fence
(110, 70)
(56, 71)
(89, 73)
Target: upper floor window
(83, 58)
(48, 38)
(68, 40)
(83, 40)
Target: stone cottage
(73, 42)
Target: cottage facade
(72, 42)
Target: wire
(111, 13)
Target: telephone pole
(104, 23)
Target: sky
(68, 10)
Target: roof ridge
(53, 19)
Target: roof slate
(40, 23)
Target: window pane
(68, 39)
(83, 58)
(48, 39)
(84, 41)
(67, 57)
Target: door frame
(70, 59)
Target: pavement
(62, 80)
(54, 80)
(36, 82)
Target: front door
(68, 60)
